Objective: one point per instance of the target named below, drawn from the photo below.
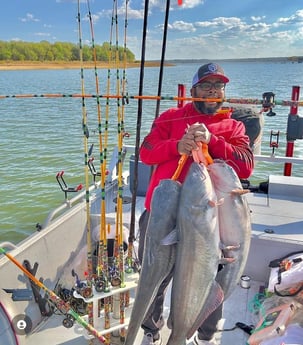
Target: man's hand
(195, 133)
(202, 134)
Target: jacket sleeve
(235, 150)
(159, 146)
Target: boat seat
(253, 122)
(144, 172)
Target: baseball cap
(209, 69)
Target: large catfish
(158, 259)
(234, 223)
(195, 292)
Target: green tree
(60, 51)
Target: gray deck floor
(236, 309)
(283, 219)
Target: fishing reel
(100, 283)
(78, 304)
(113, 272)
(274, 144)
(69, 321)
(115, 279)
(82, 287)
(268, 103)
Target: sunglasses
(207, 85)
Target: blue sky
(199, 29)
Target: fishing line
(87, 193)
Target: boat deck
(236, 309)
(277, 230)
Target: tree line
(61, 51)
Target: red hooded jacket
(228, 142)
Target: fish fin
(169, 322)
(213, 301)
(229, 247)
(212, 203)
(171, 238)
(239, 191)
(225, 261)
(220, 202)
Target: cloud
(29, 18)
(257, 18)
(230, 37)
(42, 34)
(121, 12)
(179, 26)
(296, 18)
(186, 4)
(191, 3)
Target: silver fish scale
(197, 255)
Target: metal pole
(290, 143)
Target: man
(175, 132)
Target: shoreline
(29, 65)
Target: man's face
(211, 87)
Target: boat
(48, 297)
(55, 256)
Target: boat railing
(110, 179)
(279, 159)
(112, 173)
(8, 245)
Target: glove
(194, 134)
(202, 134)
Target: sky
(197, 29)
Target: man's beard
(202, 108)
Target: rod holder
(64, 187)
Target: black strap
(277, 262)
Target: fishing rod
(62, 306)
(89, 259)
(120, 90)
(103, 249)
(138, 134)
(102, 280)
(162, 56)
(102, 270)
(252, 101)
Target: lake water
(41, 136)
